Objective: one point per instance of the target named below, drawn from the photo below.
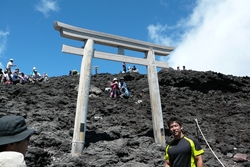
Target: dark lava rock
(120, 131)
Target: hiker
(16, 70)
(36, 76)
(123, 88)
(14, 141)
(129, 69)
(1, 75)
(134, 68)
(114, 88)
(73, 72)
(15, 77)
(7, 77)
(124, 67)
(45, 76)
(33, 71)
(24, 77)
(182, 151)
(184, 68)
(10, 64)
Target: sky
(208, 35)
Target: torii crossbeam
(93, 37)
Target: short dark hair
(174, 119)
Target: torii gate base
(88, 53)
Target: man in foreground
(182, 151)
(14, 141)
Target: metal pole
(96, 70)
(82, 99)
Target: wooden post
(82, 99)
(121, 50)
(155, 100)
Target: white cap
(34, 68)
(11, 59)
(11, 159)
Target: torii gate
(88, 52)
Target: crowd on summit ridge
(8, 76)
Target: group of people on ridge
(183, 68)
(15, 77)
(73, 72)
(119, 88)
(133, 69)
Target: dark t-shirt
(182, 153)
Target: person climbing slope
(124, 67)
(115, 89)
(123, 88)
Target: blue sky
(207, 34)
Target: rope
(207, 142)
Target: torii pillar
(155, 100)
(121, 43)
(83, 98)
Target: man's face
(21, 146)
(175, 129)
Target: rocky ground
(120, 132)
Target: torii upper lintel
(82, 34)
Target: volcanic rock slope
(119, 132)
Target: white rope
(207, 142)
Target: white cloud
(3, 41)
(46, 6)
(155, 34)
(3, 44)
(216, 36)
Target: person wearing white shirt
(10, 64)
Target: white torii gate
(89, 38)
